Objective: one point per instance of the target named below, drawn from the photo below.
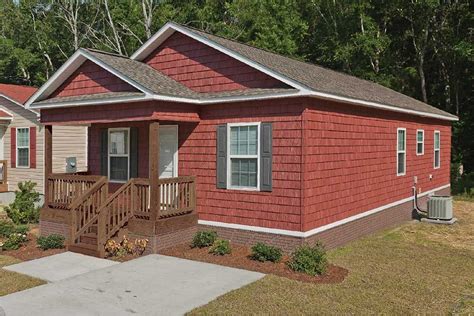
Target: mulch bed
(30, 251)
(239, 258)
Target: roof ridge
(273, 53)
(106, 53)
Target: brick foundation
(333, 237)
(179, 230)
(50, 227)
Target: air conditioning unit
(440, 207)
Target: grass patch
(417, 268)
(13, 282)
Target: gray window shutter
(266, 156)
(104, 151)
(221, 172)
(133, 152)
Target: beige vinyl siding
(68, 141)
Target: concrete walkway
(61, 266)
(151, 285)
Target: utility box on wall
(71, 165)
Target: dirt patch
(30, 251)
(239, 258)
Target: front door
(168, 151)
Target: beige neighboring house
(22, 142)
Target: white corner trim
(320, 229)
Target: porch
(97, 205)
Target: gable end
(90, 78)
(204, 69)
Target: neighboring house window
(243, 155)
(119, 158)
(23, 147)
(420, 142)
(437, 141)
(401, 151)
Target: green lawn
(13, 282)
(417, 268)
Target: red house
(196, 131)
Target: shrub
(220, 247)
(204, 239)
(7, 228)
(263, 252)
(14, 241)
(53, 241)
(23, 209)
(309, 259)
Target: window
(437, 144)
(420, 142)
(401, 151)
(23, 147)
(119, 158)
(243, 155)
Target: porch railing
(63, 189)
(3, 171)
(177, 196)
(85, 209)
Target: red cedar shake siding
(330, 161)
(350, 160)
(91, 79)
(205, 69)
(137, 111)
(280, 208)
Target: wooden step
(85, 249)
(89, 238)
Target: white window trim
(402, 151)
(436, 149)
(109, 155)
(17, 147)
(422, 142)
(229, 169)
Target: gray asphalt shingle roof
(314, 78)
(321, 79)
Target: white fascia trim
(68, 68)
(93, 102)
(328, 96)
(16, 103)
(116, 73)
(317, 230)
(169, 29)
(157, 97)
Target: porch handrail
(85, 209)
(114, 213)
(63, 189)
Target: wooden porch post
(153, 166)
(48, 159)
